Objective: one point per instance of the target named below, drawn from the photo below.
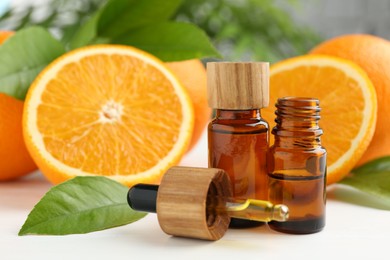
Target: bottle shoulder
(314, 150)
(239, 126)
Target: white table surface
(352, 230)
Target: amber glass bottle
(297, 166)
(238, 136)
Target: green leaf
(378, 165)
(86, 33)
(372, 178)
(23, 56)
(120, 16)
(171, 41)
(143, 25)
(81, 205)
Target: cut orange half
(347, 99)
(107, 110)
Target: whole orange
(372, 54)
(15, 161)
(192, 75)
(4, 35)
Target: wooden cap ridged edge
(238, 85)
(182, 202)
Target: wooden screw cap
(238, 85)
(182, 202)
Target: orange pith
(107, 110)
(347, 99)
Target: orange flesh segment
(103, 113)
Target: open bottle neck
(297, 123)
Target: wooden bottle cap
(238, 85)
(182, 202)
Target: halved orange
(347, 99)
(107, 110)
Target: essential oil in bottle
(238, 136)
(297, 166)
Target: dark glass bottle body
(297, 166)
(238, 144)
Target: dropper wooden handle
(182, 202)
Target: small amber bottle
(297, 166)
(238, 136)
